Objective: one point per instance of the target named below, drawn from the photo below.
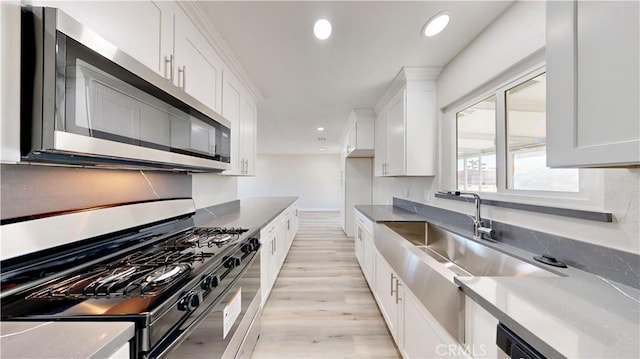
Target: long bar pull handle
(397, 293)
(168, 68)
(392, 277)
(182, 77)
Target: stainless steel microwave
(84, 102)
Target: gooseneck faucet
(479, 230)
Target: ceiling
(309, 83)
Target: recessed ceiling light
(320, 128)
(436, 24)
(322, 29)
(321, 149)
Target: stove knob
(209, 282)
(246, 248)
(255, 244)
(231, 262)
(190, 301)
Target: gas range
(166, 277)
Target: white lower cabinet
(276, 239)
(421, 336)
(386, 294)
(416, 332)
(480, 331)
(365, 254)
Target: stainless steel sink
(431, 277)
(463, 256)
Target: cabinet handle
(288, 224)
(246, 166)
(182, 74)
(168, 68)
(397, 293)
(392, 277)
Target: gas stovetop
(147, 272)
(153, 271)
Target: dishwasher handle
(514, 346)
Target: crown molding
(416, 76)
(197, 14)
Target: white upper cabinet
(380, 151)
(406, 124)
(197, 68)
(138, 30)
(240, 109)
(248, 135)
(593, 83)
(358, 140)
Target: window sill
(566, 212)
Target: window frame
(591, 188)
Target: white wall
(514, 37)
(209, 189)
(315, 179)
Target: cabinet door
(593, 83)
(358, 245)
(421, 334)
(248, 135)
(480, 331)
(352, 142)
(386, 287)
(368, 259)
(265, 268)
(380, 149)
(231, 108)
(296, 218)
(134, 27)
(274, 263)
(198, 68)
(395, 115)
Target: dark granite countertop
(252, 213)
(574, 315)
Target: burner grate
(139, 274)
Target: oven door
(230, 327)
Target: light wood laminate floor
(321, 306)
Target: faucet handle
(485, 232)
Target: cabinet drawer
(365, 222)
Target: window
(526, 142)
(501, 142)
(476, 126)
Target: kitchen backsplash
(29, 190)
(609, 263)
